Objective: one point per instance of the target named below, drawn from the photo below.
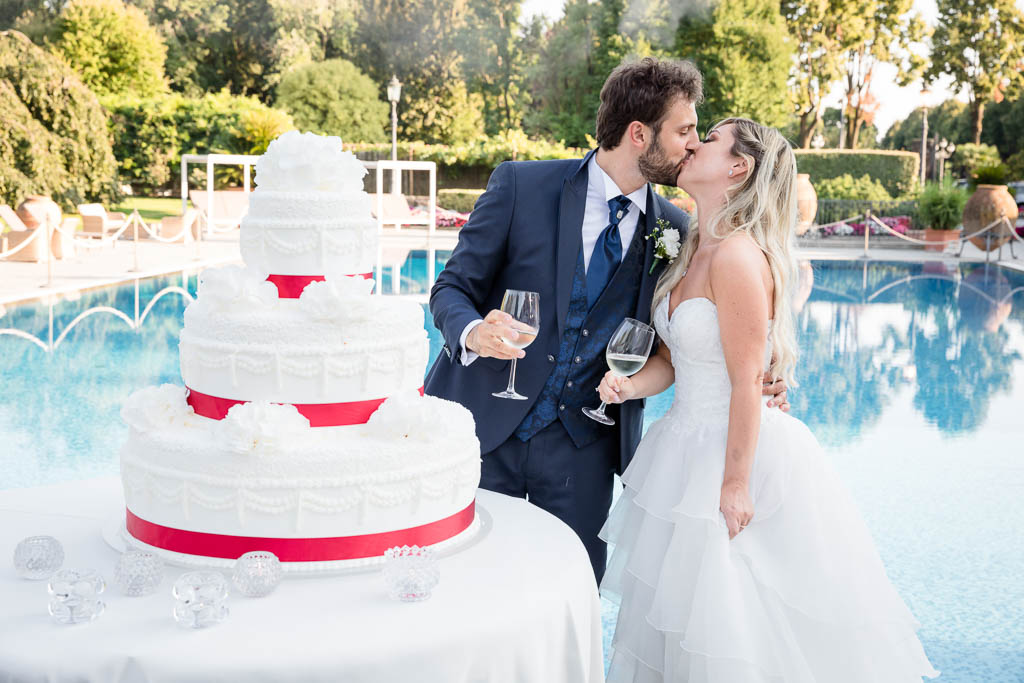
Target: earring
(730, 173)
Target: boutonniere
(666, 242)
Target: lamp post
(943, 151)
(924, 133)
(394, 93)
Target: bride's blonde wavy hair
(762, 205)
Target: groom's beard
(657, 167)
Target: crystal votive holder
(257, 573)
(38, 557)
(74, 596)
(138, 572)
(410, 573)
(200, 599)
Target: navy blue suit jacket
(525, 232)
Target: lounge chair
(98, 222)
(18, 234)
(395, 209)
(229, 207)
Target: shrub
(989, 175)
(151, 134)
(848, 187)
(941, 206)
(334, 98)
(895, 171)
(462, 201)
(54, 137)
(1015, 165)
(112, 47)
(970, 156)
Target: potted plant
(990, 202)
(940, 208)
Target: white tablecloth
(518, 605)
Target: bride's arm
(654, 377)
(740, 281)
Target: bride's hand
(736, 505)
(615, 389)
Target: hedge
(896, 171)
(848, 187)
(151, 134)
(54, 138)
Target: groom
(575, 232)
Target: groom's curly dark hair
(643, 91)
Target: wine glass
(626, 353)
(524, 307)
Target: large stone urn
(35, 209)
(806, 203)
(986, 205)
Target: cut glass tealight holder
(257, 573)
(411, 573)
(138, 573)
(38, 557)
(74, 596)
(200, 599)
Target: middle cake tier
(311, 350)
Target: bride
(738, 554)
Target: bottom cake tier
(201, 491)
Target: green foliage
(112, 47)
(970, 156)
(334, 98)
(848, 187)
(151, 134)
(1004, 126)
(54, 138)
(981, 45)
(895, 171)
(744, 50)
(459, 200)
(941, 206)
(1015, 165)
(989, 175)
(949, 120)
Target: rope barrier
(914, 240)
(23, 245)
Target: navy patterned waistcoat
(572, 384)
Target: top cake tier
(309, 214)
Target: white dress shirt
(600, 189)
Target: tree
(949, 120)
(981, 45)
(745, 52)
(112, 47)
(883, 35)
(1004, 126)
(54, 139)
(334, 98)
(814, 26)
(495, 61)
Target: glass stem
(600, 411)
(512, 378)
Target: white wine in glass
(524, 307)
(626, 354)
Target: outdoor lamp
(394, 92)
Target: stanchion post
(135, 241)
(867, 230)
(49, 250)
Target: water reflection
(870, 329)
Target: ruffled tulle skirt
(799, 596)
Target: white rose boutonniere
(666, 242)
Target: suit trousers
(574, 484)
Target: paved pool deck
(124, 260)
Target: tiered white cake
(301, 428)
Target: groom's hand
(777, 390)
(486, 338)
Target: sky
(896, 102)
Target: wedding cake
(302, 428)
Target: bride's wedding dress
(799, 596)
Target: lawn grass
(150, 208)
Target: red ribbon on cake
(291, 286)
(297, 549)
(318, 414)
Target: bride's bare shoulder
(739, 265)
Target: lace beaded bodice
(702, 386)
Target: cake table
(518, 604)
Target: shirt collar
(638, 197)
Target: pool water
(911, 375)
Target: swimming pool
(911, 374)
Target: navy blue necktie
(607, 251)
